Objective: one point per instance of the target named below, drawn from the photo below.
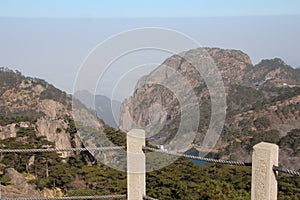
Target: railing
(264, 168)
(34, 196)
(73, 198)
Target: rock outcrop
(33, 102)
(19, 187)
(260, 98)
(8, 131)
(33, 111)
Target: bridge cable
(286, 171)
(149, 198)
(73, 198)
(60, 150)
(209, 160)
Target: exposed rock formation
(21, 188)
(260, 98)
(31, 110)
(8, 131)
(33, 102)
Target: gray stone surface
(264, 183)
(136, 165)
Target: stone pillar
(264, 179)
(136, 165)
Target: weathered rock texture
(21, 188)
(263, 103)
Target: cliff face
(231, 64)
(31, 102)
(262, 101)
(146, 95)
(35, 114)
(24, 100)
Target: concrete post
(264, 183)
(136, 165)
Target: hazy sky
(146, 8)
(50, 39)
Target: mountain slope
(35, 114)
(262, 103)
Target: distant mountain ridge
(108, 109)
(263, 103)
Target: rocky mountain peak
(275, 62)
(231, 63)
(275, 72)
(261, 101)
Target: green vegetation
(272, 136)
(282, 94)
(184, 180)
(72, 130)
(77, 176)
(9, 79)
(242, 97)
(288, 187)
(262, 123)
(115, 136)
(5, 180)
(50, 170)
(26, 140)
(4, 120)
(292, 141)
(54, 94)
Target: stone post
(264, 179)
(136, 165)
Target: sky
(50, 39)
(146, 8)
